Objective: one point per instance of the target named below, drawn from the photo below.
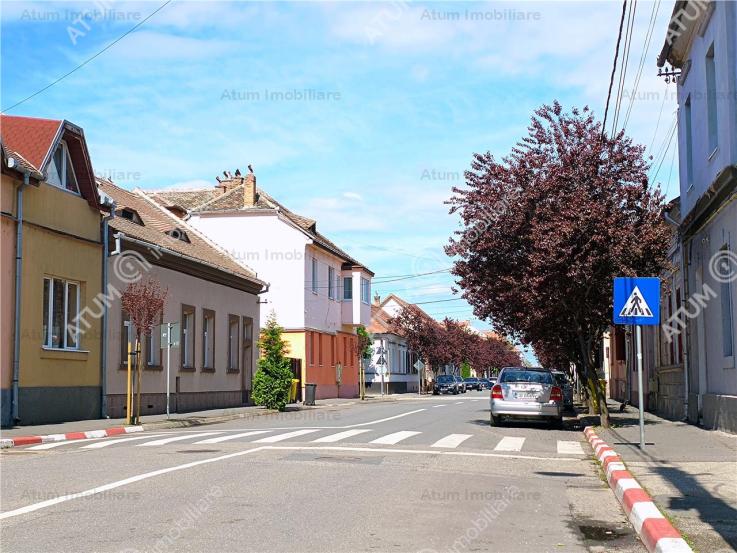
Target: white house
(702, 43)
(319, 293)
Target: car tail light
(496, 392)
(556, 394)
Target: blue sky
(397, 96)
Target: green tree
(273, 379)
(465, 370)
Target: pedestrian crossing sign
(637, 300)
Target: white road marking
(458, 402)
(570, 448)
(452, 440)
(383, 420)
(165, 441)
(280, 437)
(475, 400)
(340, 436)
(52, 445)
(509, 443)
(439, 405)
(106, 443)
(395, 437)
(220, 439)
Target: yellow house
(51, 269)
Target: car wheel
(556, 422)
(495, 421)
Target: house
(391, 347)
(51, 269)
(701, 45)
(213, 298)
(320, 293)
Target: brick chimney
(249, 190)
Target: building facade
(51, 369)
(319, 293)
(213, 300)
(701, 43)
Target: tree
(363, 350)
(144, 303)
(545, 231)
(272, 381)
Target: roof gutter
(103, 338)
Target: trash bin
(293, 391)
(310, 394)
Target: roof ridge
(199, 234)
(215, 198)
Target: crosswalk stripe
(458, 402)
(569, 448)
(220, 439)
(52, 445)
(509, 443)
(438, 405)
(451, 440)
(280, 437)
(396, 437)
(165, 441)
(107, 443)
(340, 436)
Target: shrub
(273, 379)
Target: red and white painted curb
(30, 440)
(655, 531)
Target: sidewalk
(690, 473)
(176, 420)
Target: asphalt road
(417, 475)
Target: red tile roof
(29, 136)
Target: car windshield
(560, 378)
(445, 379)
(535, 377)
(470, 379)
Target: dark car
(445, 384)
(486, 384)
(564, 382)
(473, 383)
(461, 384)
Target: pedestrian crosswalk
(323, 437)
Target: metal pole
(128, 397)
(639, 386)
(168, 362)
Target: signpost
(419, 367)
(381, 362)
(637, 302)
(169, 333)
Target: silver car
(529, 393)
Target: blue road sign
(637, 301)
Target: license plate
(520, 395)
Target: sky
(360, 115)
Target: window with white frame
(347, 288)
(60, 172)
(689, 141)
(208, 339)
(187, 338)
(233, 332)
(365, 291)
(331, 283)
(153, 349)
(314, 275)
(61, 309)
(727, 315)
(711, 100)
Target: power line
(625, 63)
(665, 153)
(670, 173)
(436, 301)
(614, 69)
(660, 114)
(88, 60)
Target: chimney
(377, 299)
(249, 190)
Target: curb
(29, 440)
(655, 531)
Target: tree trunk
(597, 399)
(139, 363)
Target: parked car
(473, 383)
(529, 393)
(563, 381)
(445, 384)
(461, 384)
(485, 383)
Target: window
(311, 345)
(152, 348)
(60, 171)
(319, 348)
(347, 288)
(61, 309)
(188, 338)
(689, 142)
(314, 275)
(726, 297)
(333, 352)
(331, 283)
(208, 339)
(233, 331)
(127, 336)
(365, 291)
(711, 99)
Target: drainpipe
(103, 339)
(15, 411)
(684, 295)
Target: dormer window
(60, 170)
(130, 215)
(178, 234)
